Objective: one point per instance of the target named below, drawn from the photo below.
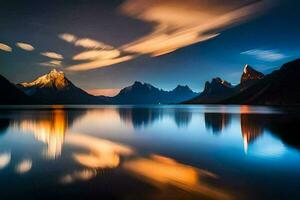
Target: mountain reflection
(217, 122)
(182, 118)
(139, 117)
(4, 124)
(143, 117)
(47, 126)
(251, 127)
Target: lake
(149, 152)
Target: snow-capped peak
(53, 79)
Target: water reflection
(49, 129)
(251, 128)
(100, 153)
(4, 124)
(162, 171)
(113, 140)
(217, 122)
(182, 118)
(139, 117)
(4, 159)
(47, 126)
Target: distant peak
(246, 68)
(249, 73)
(137, 83)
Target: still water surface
(149, 152)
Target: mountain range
(56, 88)
(277, 88)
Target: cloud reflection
(162, 171)
(102, 153)
(4, 159)
(82, 175)
(24, 166)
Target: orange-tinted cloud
(176, 24)
(25, 46)
(67, 37)
(180, 23)
(91, 44)
(52, 63)
(97, 54)
(52, 55)
(5, 47)
(98, 63)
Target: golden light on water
(49, 130)
(102, 153)
(162, 171)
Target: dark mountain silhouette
(249, 77)
(55, 88)
(144, 93)
(10, 94)
(214, 91)
(281, 87)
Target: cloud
(52, 63)
(67, 37)
(101, 55)
(178, 23)
(265, 55)
(98, 63)
(87, 43)
(52, 55)
(25, 46)
(198, 21)
(94, 54)
(5, 47)
(91, 44)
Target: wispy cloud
(52, 55)
(97, 54)
(25, 46)
(94, 54)
(98, 63)
(67, 37)
(176, 24)
(52, 63)
(91, 44)
(5, 47)
(265, 55)
(182, 23)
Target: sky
(105, 45)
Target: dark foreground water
(155, 152)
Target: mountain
(10, 94)
(144, 93)
(281, 87)
(55, 88)
(214, 91)
(249, 77)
